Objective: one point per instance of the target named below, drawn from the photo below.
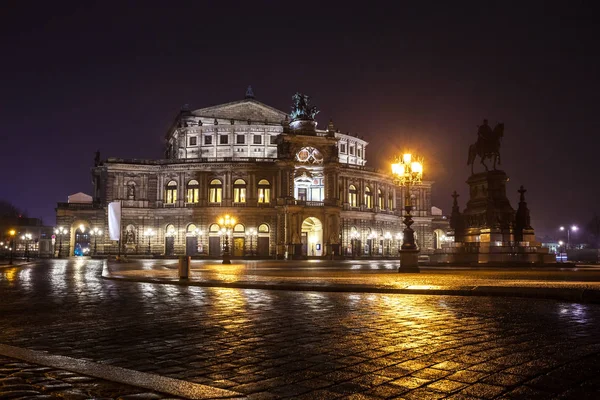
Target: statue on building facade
(130, 235)
(487, 145)
(301, 108)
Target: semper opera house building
(294, 191)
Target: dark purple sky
(80, 77)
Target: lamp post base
(226, 259)
(409, 261)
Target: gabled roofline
(205, 112)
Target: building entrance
(82, 241)
(312, 237)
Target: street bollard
(184, 266)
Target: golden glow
(12, 232)
(416, 167)
(407, 170)
(82, 228)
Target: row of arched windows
(368, 199)
(192, 229)
(215, 191)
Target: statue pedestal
(409, 261)
(304, 127)
(130, 248)
(489, 229)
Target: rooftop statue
(301, 108)
(487, 145)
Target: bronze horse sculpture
(487, 145)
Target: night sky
(112, 76)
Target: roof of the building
(247, 109)
(79, 198)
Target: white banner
(114, 220)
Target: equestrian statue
(487, 145)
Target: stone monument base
(505, 254)
(409, 261)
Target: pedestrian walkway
(579, 284)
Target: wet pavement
(32, 381)
(302, 344)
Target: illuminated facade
(293, 189)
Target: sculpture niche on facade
(487, 145)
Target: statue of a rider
(485, 136)
(487, 145)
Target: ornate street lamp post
(12, 234)
(407, 172)
(227, 223)
(252, 234)
(60, 232)
(95, 233)
(149, 233)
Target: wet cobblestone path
(276, 344)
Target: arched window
(264, 191)
(171, 192)
(239, 228)
(263, 228)
(352, 196)
(214, 228)
(215, 191)
(368, 197)
(239, 191)
(380, 199)
(193, 189)
(170, 230)
(390, 201)
(192, 230)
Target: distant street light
(95, 233)
(251, 234)
(388, 237)
(149, 233)
(354, 235)
(12, 234)
(60, 232)
(26, 238)
(569, 229)
(227, 223)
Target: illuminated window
(215, 191)
(171, 192)
(239, 228)
(214, 228)
(193, 189)
(239, 191)
(380, 199)
(264, 191)
(263, 228)
(390, 201)
(352, 196)
(368, 197)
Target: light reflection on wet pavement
(305, 344)
(381, 274)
